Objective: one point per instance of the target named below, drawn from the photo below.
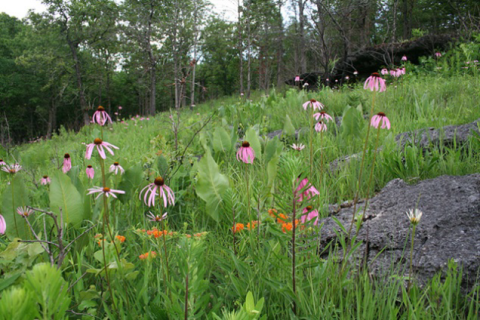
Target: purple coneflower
(308, 193)
(438, 54)
(164, 191)
(380, 118)
(45, 180)
(67, 163)
(24, 211)
(384, 71)
(298, 147)
(2, 163)
(375, 83)
(297, 78)
(3, 225)
(320, 126)
(355, 72)
(404, 58)
(12, 168)
(246, 153)
(100, 145)
(90, 172)
(104, 190)
(156, 218)
(101, 116)
(115, 167)
(309, 214)
(313, 104)
(347, 78)
(323, 116)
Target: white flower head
(414, 215)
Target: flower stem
(13, 206)
(293, 251)
(248, 192)
(357, 191)
(371, 173)
(311, 140)
(411, 259)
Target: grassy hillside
(199, 259)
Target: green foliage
(14, 196)
(65, 200)
(211, 185)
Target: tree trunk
(194, 61)
(280, 49)
(153, 64)
(249, 62)
(240, 47)
(301, 20)
(78, 74)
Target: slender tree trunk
(52, 118)
(194, 61)
(152, 63)
(249, 62)
(240, 46)
(301, 20)
(78, 74)
(175, 58)
(280, 49)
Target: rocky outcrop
(425, 138)
(449, 228)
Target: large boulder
(449, 228)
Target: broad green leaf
(64, 196)
(211, 185)
(288, 127)
(162, 166)
(352, 123)
(16, 225)
(7, 282)
(130, 180)
(252, 137)
(221, 140)
(271, 149)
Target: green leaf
(64, 196)
(288, 127)
(10, 203)
(5, 283)
(130, 180)
(252, 137)
(162, 165)
(352, 123)
(221, 140)
(271, 149)
(211, 185)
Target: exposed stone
(424, 138)
(449, 227)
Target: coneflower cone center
(66, 156)
(97, 141)
(45, 177)
(375, 74)
(100, 108)
(106, 189)
(313, 100)
(381, 114)
(115, 163)
(159, 181)
(12, 171)
(245, 144)
(309, 208)
(89, 167)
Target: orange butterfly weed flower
(282, 218)
(272, 213)
(252, 225)
(287, 227)
(151, 254)
(238, 227)
(121, 238)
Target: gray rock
(449, 228)
(427, 137)
(424, 138)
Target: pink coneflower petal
(380, 118)
(245, 153)
(375, 83)
(3, 225)
(163, 191)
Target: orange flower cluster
(99, 236)
(158, 233)
(121, 238)
(283, 220)
(151, 254)
(240, 226)
(196, 235)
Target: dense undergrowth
(198, 267)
